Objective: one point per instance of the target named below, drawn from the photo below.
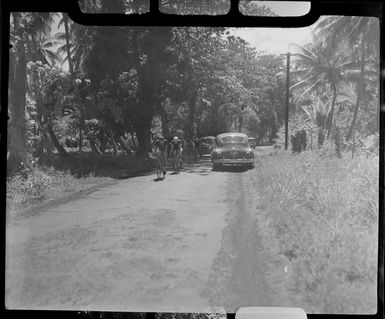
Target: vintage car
(206, 144)
(232, 149)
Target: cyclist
(161, 154)
(176, 152)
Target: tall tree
(362, 36)
(148, 44)
(322, 66)
(65, 21)
(25, 29)
(17, 93)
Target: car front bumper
(233, 161)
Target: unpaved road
(190, 243)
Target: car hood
(232, 147)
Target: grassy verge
(57, 178)
(43, 185)
(323, 215)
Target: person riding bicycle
(176, 150)
(161, 149)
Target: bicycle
(176, 161)
(160, 163)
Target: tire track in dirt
(245, 272)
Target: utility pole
(287, 101)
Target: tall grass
(324, 212)
(41, 184)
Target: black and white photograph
(186, 169)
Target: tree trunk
(338, 142)
(55, 141)
(165, 121)
(16, 128)
(360, 89)
(329, 120)
(321, 137)
(80, 139)
(93, 146)
(240, 123)
(83, 125)
(46, 143)
(192, 108)
(103, 143)
(114, 147)
(143, 133)
(68, 45)
(147, 79)
(124, 146)
(91, 140)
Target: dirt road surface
(190, 243)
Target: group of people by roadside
(174, 151)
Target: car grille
(232, 154)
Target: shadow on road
(204, 167)
(232, 169)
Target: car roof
(220, 136)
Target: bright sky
(274, 40)
(286, 8)
(278, 40)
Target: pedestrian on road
(176, 151)
(160, 149)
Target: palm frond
(60, 36)
(328, 22)
(50, 44)
(348, 64)
(300, 83)
(61, 22)
(308, 110)
(305, 53)
(310, 88)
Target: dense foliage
(109, 89)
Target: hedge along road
(190, 243)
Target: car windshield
(234, 140)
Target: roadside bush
(324, 212)
(85, 163)
(39, 183)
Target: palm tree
(76, 43)
(361, 34)
(321, 66)
(17, 144)
(25, 29)
(43, 50)
(318, 112)
(67, 46)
